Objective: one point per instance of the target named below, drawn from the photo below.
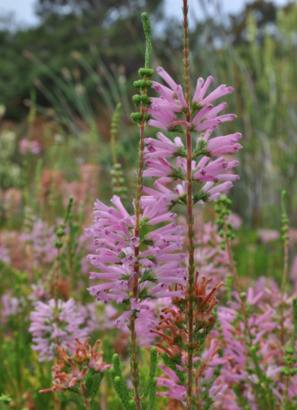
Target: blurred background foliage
(61, 79)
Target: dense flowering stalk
(253, 348)
(187, 173)
(244, 359)
(160, 262)
(174, 339)
(138, 257)
(57, 323)
(212, 172)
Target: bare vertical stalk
(57, 404)
(285, 240)
(284, 283)
(134, 362)
(190, 218)
(85, 397)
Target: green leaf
(93, 381)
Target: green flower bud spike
(117, 175)
(285, 240)
(144, 83)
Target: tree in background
(110, 27)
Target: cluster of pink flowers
(161, 259)
(254, 335)
(4, 255)
(41, 238)
(27, 146)
(244, 356)
(211, 260)
(268, 235)
(36, 246)
(165, 158)
(58, 323)
(10, 306)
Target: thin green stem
(284, 283)
(285, 239)
(138, 213)
(85, 397)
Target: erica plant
(157, 304)
(147, 258)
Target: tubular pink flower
(201, 88)
(170, 381)
(162, 146)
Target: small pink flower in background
(38, 293)
(4, 255)
(10, 306)
(293, 272)
(235, 221)
(12, 198)
(27, 146)
(42, 239)
(293, 236)
(170, 381)
(211, 259)
(268, 235)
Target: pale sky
(24, 9)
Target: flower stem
(57, 404)
(134, 362)
(85, 398)
(190, 217)
(284, 284)
(138, 212)
(133, 341)
(285, 240)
